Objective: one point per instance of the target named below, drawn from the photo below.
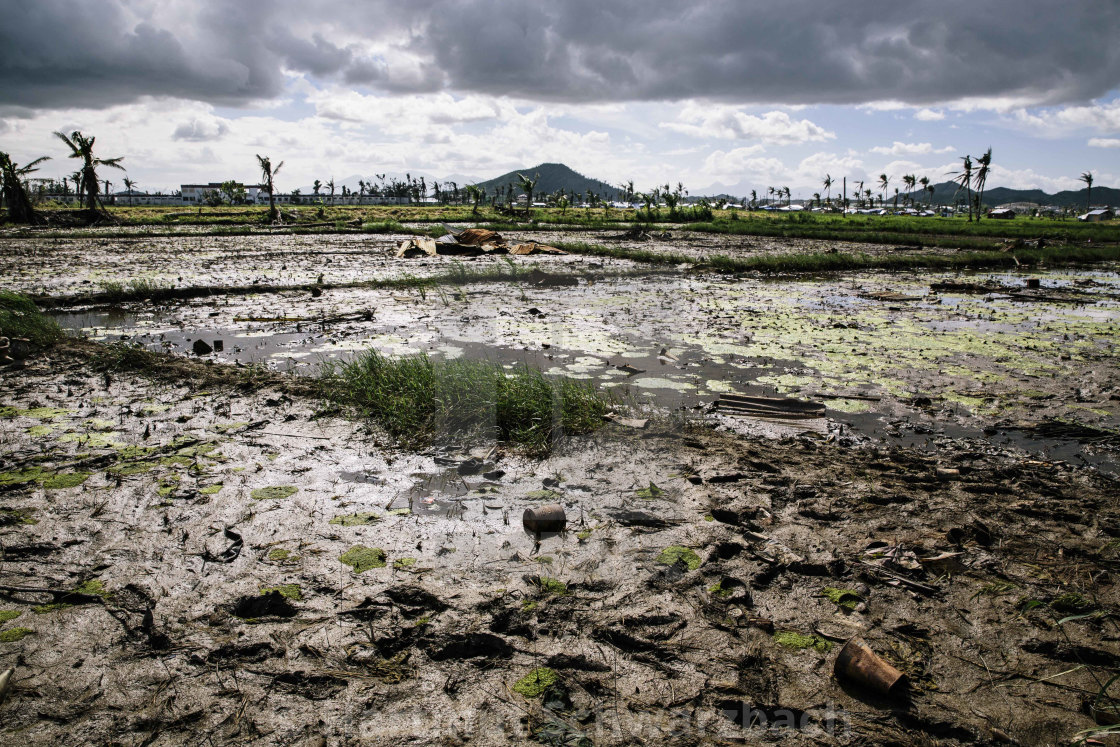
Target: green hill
(553, 177)
(944, 192)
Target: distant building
(1002, 213)
(1095, 216)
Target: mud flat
(206, 552)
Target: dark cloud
(59, 53)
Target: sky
(722, 96)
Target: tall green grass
(420, 401)
(20, 317)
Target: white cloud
(910, 149)
(929, 115)
(1104, 142)
(731, 123)
(1100, 117)
(1030, 179)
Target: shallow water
(677, 342)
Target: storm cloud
(64, 53)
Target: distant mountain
(553, 177)
(944, 194)
(945, 191)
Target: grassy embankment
(837, 262)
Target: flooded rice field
(901, 358)
(183, 561)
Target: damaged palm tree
(268, 171)
(12, 177)
(528, 185)
(81, 147)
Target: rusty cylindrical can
(857, 663)
(547, 518)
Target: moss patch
(276, 492)
(14, 634)
(799, 641)
(65, 480)
(133, 468)
(44, 413)
(355, 520)
(549, 585)
(93, 587)
(545, 495)
(649, 493)
(14, 516)
(362, 558)
(843, 598)
(15, 477)
(288, 591)
(403, 564)
(9, 615)
(46, 609)
(536, 682)
(210, 489)
(280, 555)
(676, 553)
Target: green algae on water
(275, 492)
(362, 558)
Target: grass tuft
(420, 401)
(19, 317)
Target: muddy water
(908, 371)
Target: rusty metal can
(548, 518)
(857, 663)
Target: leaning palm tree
(884, 181)
(909, 181)
(268, 171)
(1087, 177)
(924, 181)
(475, 195)
(128, 185)
(985, 164)
(82, 147)
(964, 179)
(827, 184)
(859, 194)
(12, 174)
(528, 185)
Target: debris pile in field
(472, 242)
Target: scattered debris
(524, 250)
(783, 408)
